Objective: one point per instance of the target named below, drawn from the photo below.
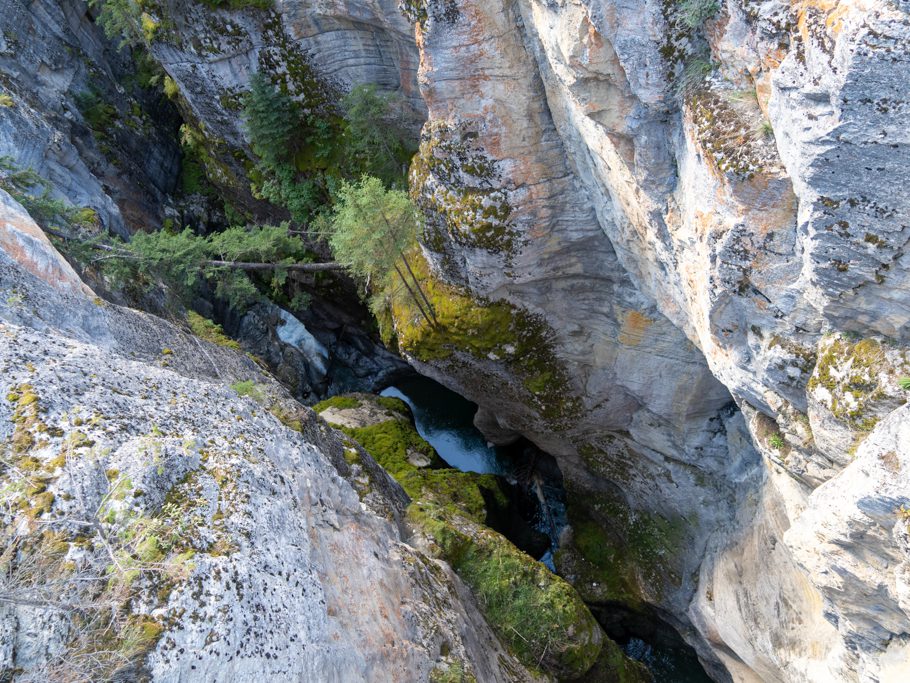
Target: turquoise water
(446, 421)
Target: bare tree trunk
(419, 288)
(299, 267)
(413, 296)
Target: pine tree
(371, 230)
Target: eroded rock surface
(157, 525)
(643, 178)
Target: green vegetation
(34, 193)
(618, 553)
(293, 150)
(396, 405)
(99, 115)
(904, 383)
(124, 19)
(776, 441)
(694, 73)
(303, 151)
(370, 230)
(694, 13)
(249, 389)
(6, 100)
(238, 262)
(210, 331)
(376, 140)
(851, 371)
(535, 613)
(487, 330)
(337, 402)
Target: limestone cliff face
(78, 115)
(703, 212)
(158, 526)
(688, 233)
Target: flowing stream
(446, 421)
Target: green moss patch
(619, 554)
(488, 330)
(337, 402)
(210, 331)
(535, 613)
(456, 182)
(538, 615)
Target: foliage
(250, 389)
(776, 441)
(292, 149)
(337, 402)
(303, 150)
(120, 19)
(184, 260)
(694, 13)
(376, 140)
(34, 193)
(371, 227)
(98, 114)
(6, 100)
(904, 383)
(210, 331)
(536, 613)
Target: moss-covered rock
(857, 380)
(490, 331)
(617, 554)
(536, 613)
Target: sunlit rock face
(159, 526)
(703, 213)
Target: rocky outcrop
(695, 202)
(84, 116)
(159, 524)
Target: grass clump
(694, 13)
(210, 331)
(776, 441)
(248, 388)
(337, 402)
(904, 383)
(6, 100)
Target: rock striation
(701, 203)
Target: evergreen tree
(292, 150)
(377, 141)
(371, 230)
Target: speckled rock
(159, 526)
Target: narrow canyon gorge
(663, 246)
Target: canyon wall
(670, 246)
(701, 213)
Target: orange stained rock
(26, 243)
(634, 326)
